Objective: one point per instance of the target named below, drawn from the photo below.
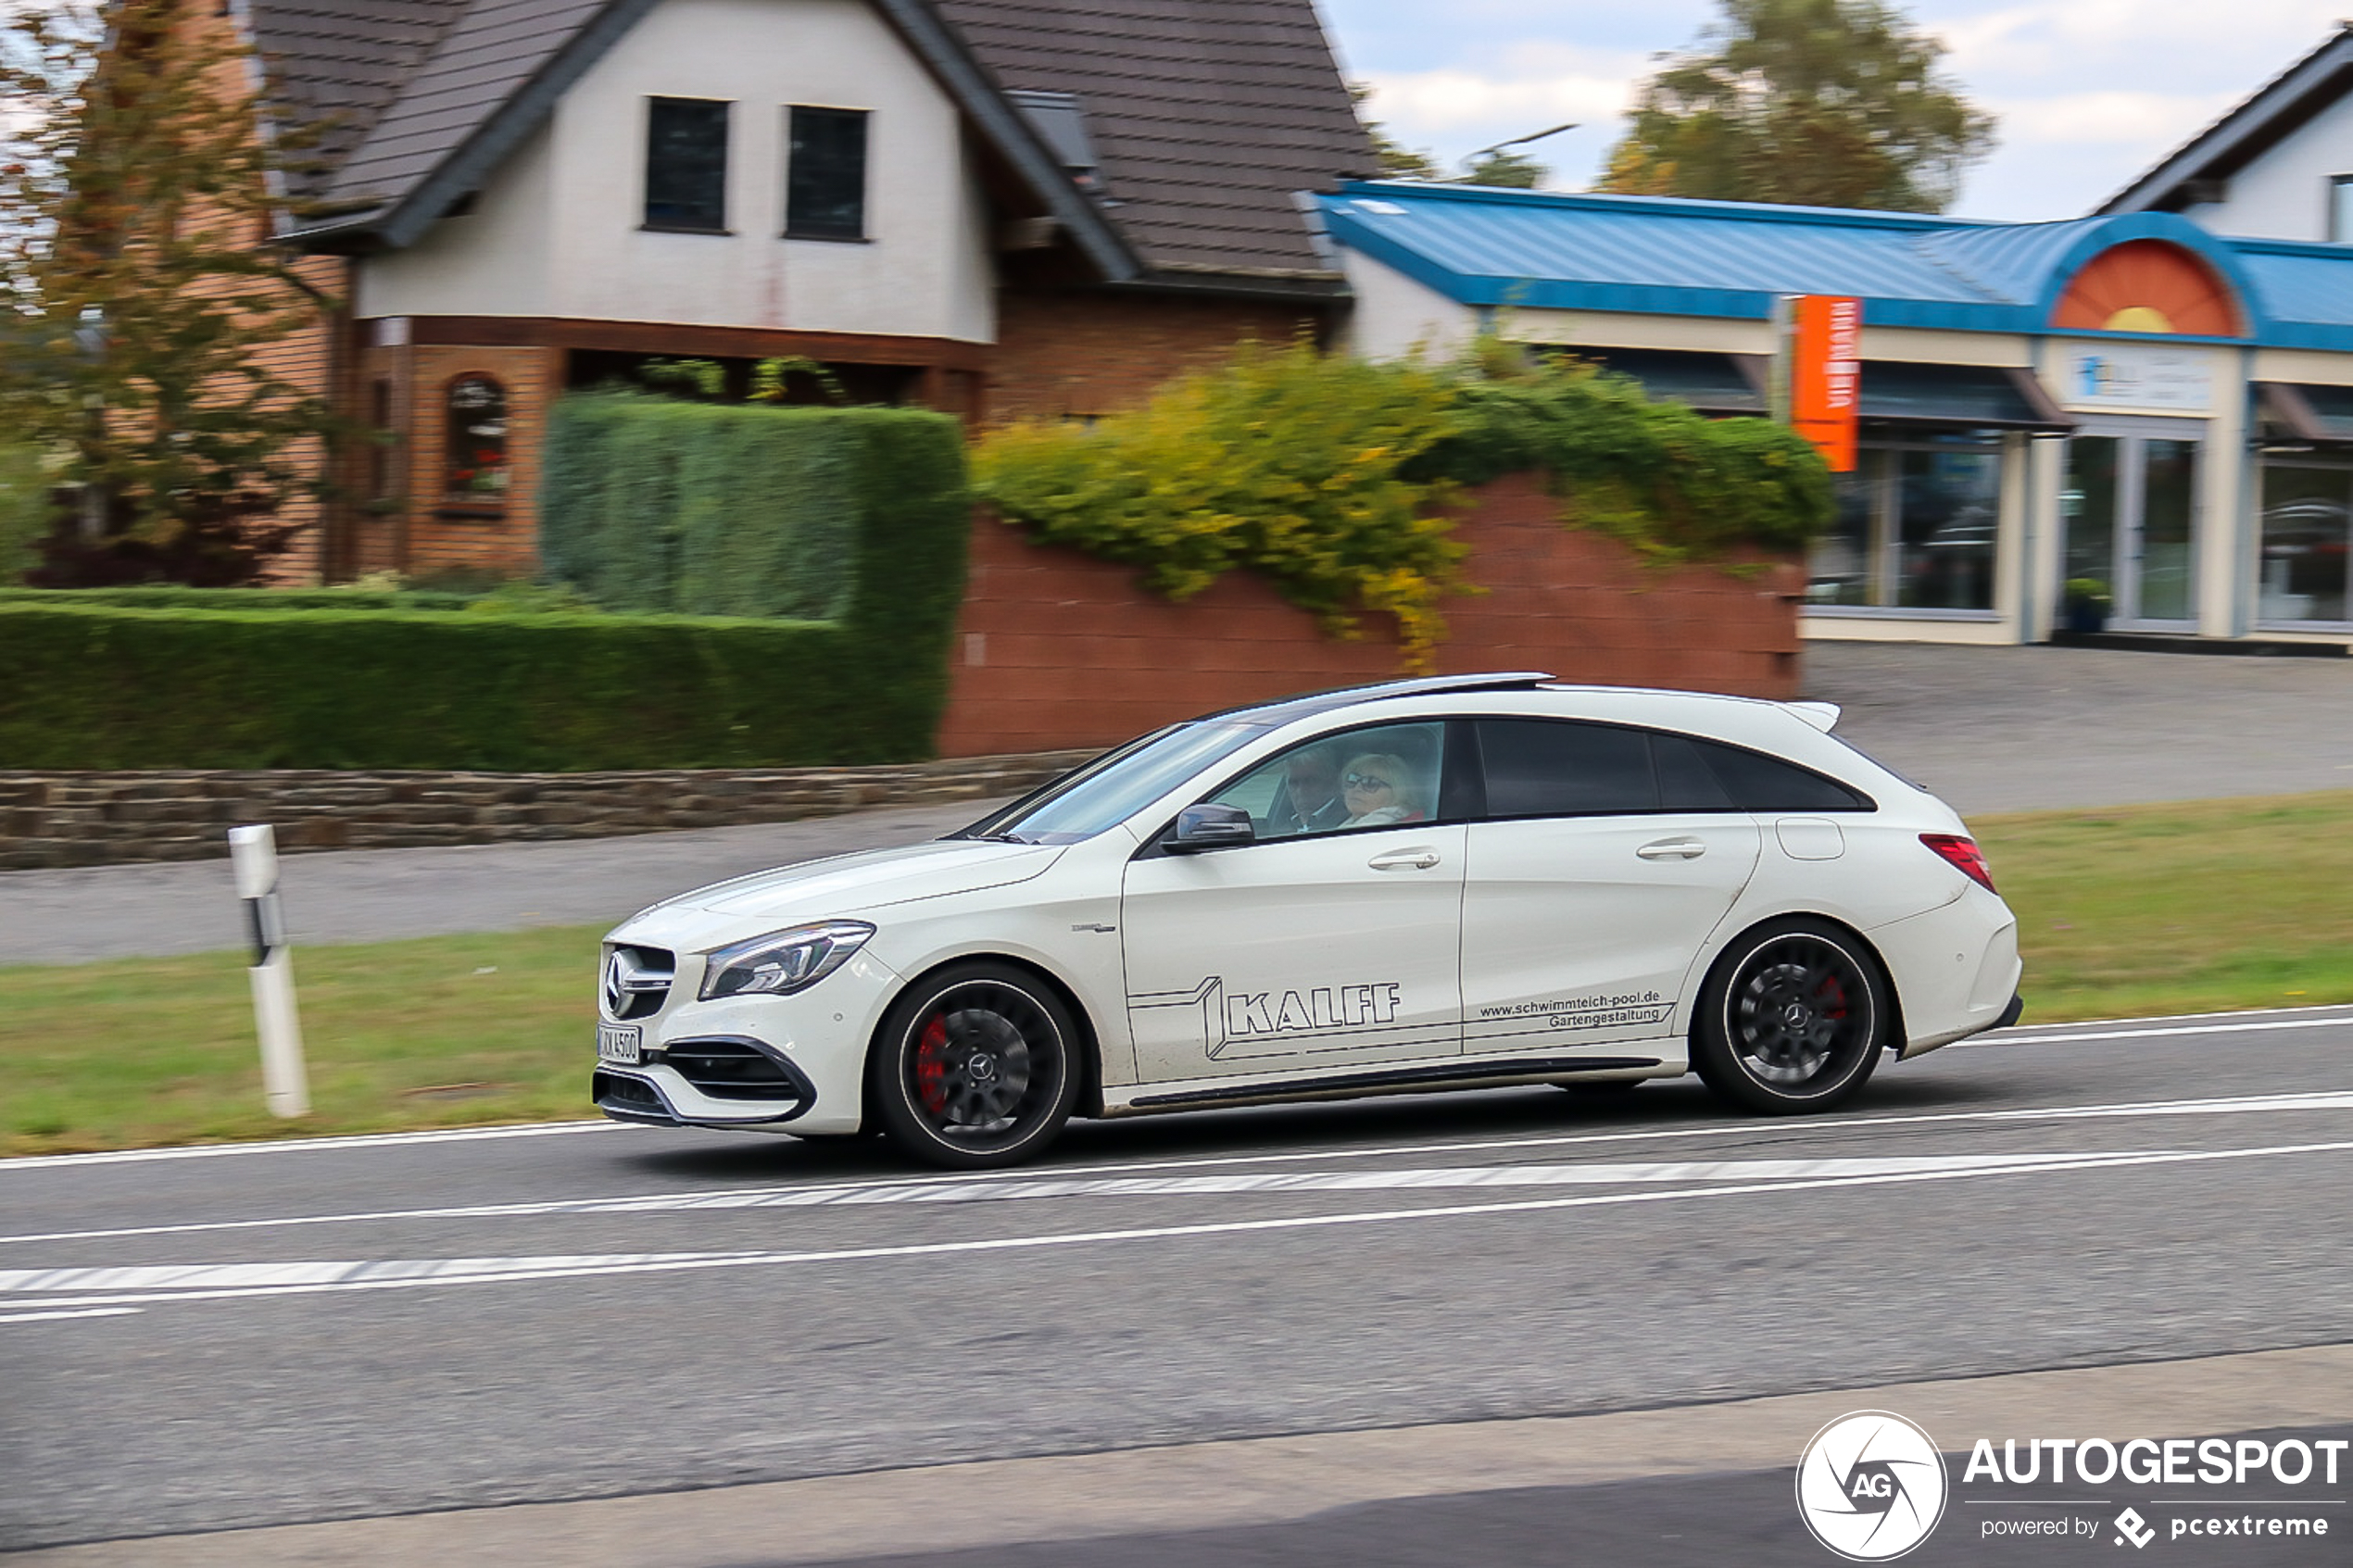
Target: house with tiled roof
(994, 208)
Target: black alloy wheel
(1793, 1018)
(977, 1066)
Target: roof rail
(1306, 703)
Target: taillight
(1962, 853)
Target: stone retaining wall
(90, 819)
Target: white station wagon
(1441, 883)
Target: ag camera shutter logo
(1870, 1486)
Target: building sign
(2155, 377)
(1826, 375)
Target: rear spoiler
(1822, 715)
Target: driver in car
(1308, 800)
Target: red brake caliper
(931, 1065)
(1834, 998)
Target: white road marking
(544, 1129)
(304, 1146)
(73, 1312)
(854, 1193)
(2325, 1099)
(147, 1284)
(2005, 1038)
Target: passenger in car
(1378, 788)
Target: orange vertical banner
(1826, 375)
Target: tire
(975, 1066)
(1792, 1018)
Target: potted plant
(2086, 601)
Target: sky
(2088, 94)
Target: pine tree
(140, 186)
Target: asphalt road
(203, 1340)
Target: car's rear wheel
(975, 1066)
(1793, 1017)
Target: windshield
(1114, 786)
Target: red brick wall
(1061, 650)
(1061, 355)
(417, 529)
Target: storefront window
(2308, 523)
(1841, 568)
(1949, 509)
(1916, 529)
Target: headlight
(783, 961)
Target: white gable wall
(557, 230)
(2284, 194)
(1397, 317)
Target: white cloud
(2137, 120)
(1442, 102)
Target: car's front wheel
(1793, 1017)
(975, 1066)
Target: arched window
(474, 457)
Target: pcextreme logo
(1870, 1486)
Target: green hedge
(93, 686)
(700, 508)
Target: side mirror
(1210, 826)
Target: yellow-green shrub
(1286, 463)
(1332, 476)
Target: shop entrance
(2130, 509)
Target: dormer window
(825, 175)
(686, 165)
(1061, 121)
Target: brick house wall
(1059, 649)
(1077, 353)
(402, 517)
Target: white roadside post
(254, 853)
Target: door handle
(1419, 858)
(1672, 849)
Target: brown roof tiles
(1206, 115)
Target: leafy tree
(1512, 170)
(1824, 103)
(139, 293)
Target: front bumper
(791, 1064)
(659, 1095)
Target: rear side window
(1758, 783)
(1550, 767)
(1685, 781)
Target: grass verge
(2134, 911)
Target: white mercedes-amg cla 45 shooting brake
(1439, 884)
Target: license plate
(621, 1043)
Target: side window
(686, 165)
(1765, 784)
(1685, 782)
(1373, 777)
(1555, 768)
